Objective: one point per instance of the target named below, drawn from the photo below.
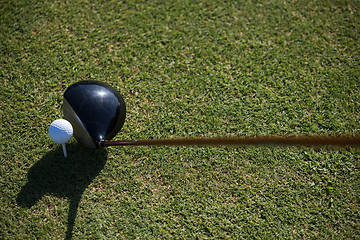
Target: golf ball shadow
(62, 177)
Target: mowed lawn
(185, 69)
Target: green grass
(186, 69)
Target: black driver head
(96, 111)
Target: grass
(185, 69)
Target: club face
(96, 111)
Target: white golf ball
(60, 131)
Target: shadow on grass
(63, 177)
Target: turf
(186, 69)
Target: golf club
(97, 112)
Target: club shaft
(242, 141)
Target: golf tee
(64, 149)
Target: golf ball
(60, 131)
